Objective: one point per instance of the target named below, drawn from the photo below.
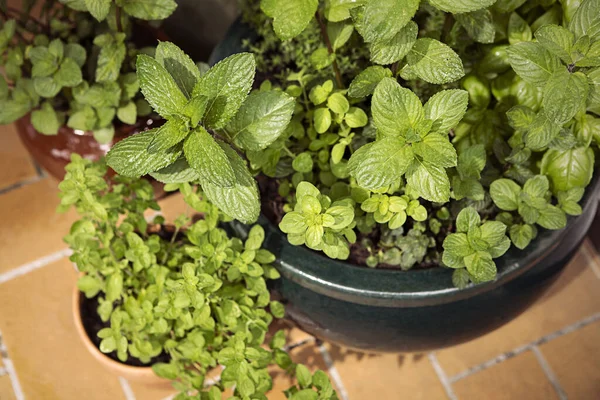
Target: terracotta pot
(53, 153)
(143, 375)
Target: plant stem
(336, 69)
(289, 152)
(118, 18)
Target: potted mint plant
(158, 302)
(69, 74)
(425, 168)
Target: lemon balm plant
(377, 121)
(183, 298)
(72, 62)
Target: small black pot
(418, 310)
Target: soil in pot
(93, 324)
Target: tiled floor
(550, 352)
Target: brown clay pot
(142, 375)
(53, 152)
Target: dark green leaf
(158, 87)
(435, 62)
(367, 80)
(181, 67)
(207, 157)
(149, 9)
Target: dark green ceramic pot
(418, 310)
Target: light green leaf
(293, 223)
(468, 219)
(518, 29)
(178, 172)
(367, 80)
(207, 157)
(158, 87)
(129, 157)
(240, 201)
(181, 67)
(356, 118)
(446, 109)
(305, 394)
(564, 95)
(383, 19)
(569, 168)
(471, 161)
(505, 194)
(169, 134)
(479, 25)
(461, 6)
(437, 150)
(290, 17)
(46, 87)
(338, 103)
(557, 40)
(586, 20)
(261, 120)
(322, 119)
(388, 51)
(98, 8)
(339, 33)
(226, 85)
(435, 62)
(470, 188)
(493, 232)
(481, 267)
(552, 217)
(429, 181)
(533, 63)
(110, 59)
(104, 135)
(541, 132)
(84, 119)
(321, 58)
(149, 10)
(339, 10)
(521, 235)
(45, 120)
(128, 113)
(68, 74)
(11, 111)
(457, 245)
(395, 109)
(536, 186)
(380, 164)
(303, 375)
(76, 52)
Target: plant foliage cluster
(381, 120)
(190, 293)
(73, 62)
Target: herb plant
(386, 122)
(74, 64)
(190, 293)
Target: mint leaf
(552, 217)
(11, 111)
(479, 25)
(564, 95)
(429, 181)
(261, 119)
(568, 169)
(128, 113)
(158, 87)
(586, 20)
(446, 109)
(437, 150)
(521, 235)
(457, 245)
(481, 267)
(226, 85)
(367, 80)
(493, 232)
(129, 157)
(339, 33)
(557, 40)
(206, 156)
(469, 187)
(339, 10)
(76, 52)
(536, 186)
(395, 109)
(110, 59)
(505, 194)
(388, 51)
(380, 164)
(467, 220)
(518, 29)
(461, 6)
(169, 134)
(150, 10)
(68, 74)
(240, 201)
(533, 63)
(541, 132)
(98, 8)
(46, 87)
(178, 172)
(45, 120)
(290, 17)
(471, 162)
(435, 62)
(383, 19)
(181, 67)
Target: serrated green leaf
(437, 150)
(586, 20)
(150, 10)
(568, 169)
(84, 119)
(536, 186)
(321, 58)
(261, 119)
(129, 157)
(178, 172)
(339, 10)
(11, 111)
(461, 6)
(479, 25)
(564, 95)
(303, 375)
(383, 19)
(207, 157)
(435, 62)
(169, 134)
(158, 87)
(395, 109)
(181, 67)
(541, 132)
(493, 232)
(505, 194)
(457, 245)
(552, 217)
(367, 80)
(388, 51)
(468, 219)
(518, 29)
(380, 164)
(69, 73)
(290, 17)
(110, 59)
(240, 201)
(446, 109)
(469, 187)
(481, 267)
(339, 33)
(98, 8)
(471, 161)
(557, 40)
(521, 235)
(533, 63)
(429, 181)
(76, 52)
(46, 87)
(226, 85)
(45, 120)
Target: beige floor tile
(15, 163)
(574, 296)
(6, 390)
(143, 392)
(386, 376)
(173, 206)
(517, 378)
(38, 330)
(575, 360)
(31, 227)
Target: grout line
(10, 370)
(20, 184)
(38, 169)
(549, 373)
(442, 376)
(592, 260)
(33, 265)
(300, 343)
(521, 349)
(127, 391)
(335, 375)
